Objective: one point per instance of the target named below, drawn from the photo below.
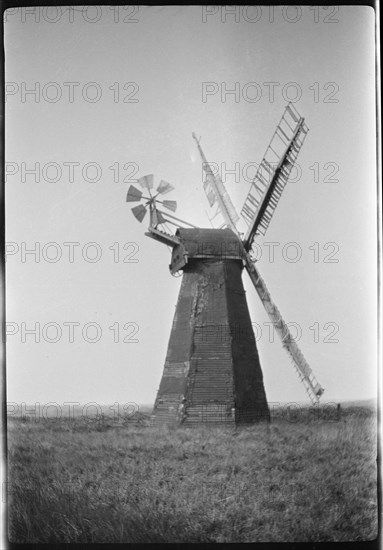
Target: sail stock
(273, 174)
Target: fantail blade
(146, 182)
(170, 205)
(139, 212)
(134, 194)
(164, 187)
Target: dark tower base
(212, 371)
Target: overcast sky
(118, 94)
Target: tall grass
(71, 481)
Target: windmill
(212, 371)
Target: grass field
(304, 478)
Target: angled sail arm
(306, 375)
(216, 192)
(273, 173)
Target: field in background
(308, 477)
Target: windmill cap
(208, 243)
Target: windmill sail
(311, 384)
(273, 173)
(217, 194)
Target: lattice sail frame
(273, 173)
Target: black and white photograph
(192, 266)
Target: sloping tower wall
(212, 371)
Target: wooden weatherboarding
(212, 371)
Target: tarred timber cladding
(210, 392)
(212, 371)
(215, 413)
(174, 379)
(250, 396)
